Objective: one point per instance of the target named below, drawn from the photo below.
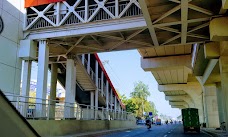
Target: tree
(150, 107)
(140, 95)
(137, 103)
(129, 104)
(141, 91)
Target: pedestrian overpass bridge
(182, 43)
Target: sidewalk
(99, 133)
(215, 133)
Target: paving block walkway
(214, 132)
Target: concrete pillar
(111, 99)
(92, 104)
(107, 99)
(54, 73)
(96, 91)
(26, 84)
(88, 65)
(41, 93)
(70, 87)
(220, 103)
(107, 95)
(211, 106)
(102, 83)
(83, 59)
(115, 106)
(224, 80)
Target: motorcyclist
(148, 122)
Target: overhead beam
(169, 29)
(199, 27)
(210, 67)
(179, 22)
(98, 42)
(225, 4)
(183, 103)
(149, 64)
(147, 17)
(199, 9)
(127, 39)
(178, 106)
(167, 13)
(184, 19)
(72, 47)
(219, 29)
(212, 50)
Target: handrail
(44, 109)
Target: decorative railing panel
(81, 11)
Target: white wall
(11, 12)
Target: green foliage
(138, 102)
(141, 91)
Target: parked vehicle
(190, 118)
(140, 122)
(158, 121)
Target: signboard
(31, 3)
(150, 114)
(1, 25)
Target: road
(175, 130)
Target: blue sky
(124, 70)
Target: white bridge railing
(48, 109)
(62, 13)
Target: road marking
(165, 135)
(128, 131)
(169, 132)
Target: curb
(212, 133)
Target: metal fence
(46, 109)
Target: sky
(123, 68)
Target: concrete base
(68, 127)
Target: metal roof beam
(150, 26)
(184, 21)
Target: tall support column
(41, 93)
(117, 8)
(92, 104)
(220, 103)
(115, 106)
(54, 73)
(119, 109)
(102, 83)
(70, 88)
(88, 66)
(83, 59)
(96, 91)
(111, 99)
(107, 98)
(26, 84)
(224, 80)
(212, 118)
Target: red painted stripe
(31, 3)
(107, 77)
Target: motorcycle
(148, 124)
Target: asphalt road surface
(175, 130)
